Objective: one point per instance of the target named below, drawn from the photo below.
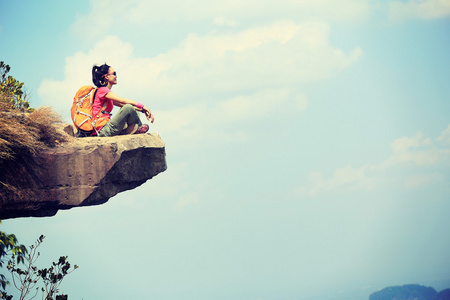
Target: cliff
(81, 172)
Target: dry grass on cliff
(22, 135)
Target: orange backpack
(81, 111)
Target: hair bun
(97, 74)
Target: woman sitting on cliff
(126, 121)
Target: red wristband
(140, 105)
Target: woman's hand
(148, 114)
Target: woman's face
(111, 77)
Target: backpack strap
(94, 93)
(98, 117)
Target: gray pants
(126, 116)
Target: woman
(126, 121)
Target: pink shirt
(100, 100)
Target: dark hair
(98, 75)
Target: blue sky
(308, 144)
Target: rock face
(83, 172)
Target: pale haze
(307, 142)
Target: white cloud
(416, 150)
(264, 103)
(280, 53)
(419, 9)
(445, 136)
(404, 144)
(345, 178)
(423, 156)
(106, 17)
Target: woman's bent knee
(130, 114)
(128, 108)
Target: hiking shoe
(142, 129)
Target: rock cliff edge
(83, 172)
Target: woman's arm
(120, 101)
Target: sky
(307, 143)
